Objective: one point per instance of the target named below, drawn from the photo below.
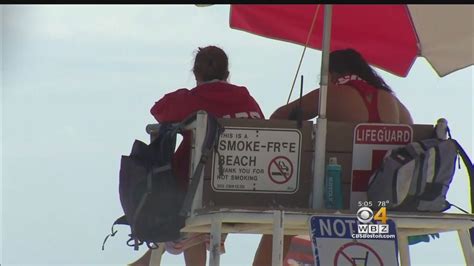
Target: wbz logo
(365, 216)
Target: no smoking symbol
(366, 255)
(280, 170)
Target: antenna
(297, 111)
(300, 108)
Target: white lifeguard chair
(215, 210)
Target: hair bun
(211, 62)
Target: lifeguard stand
(285, 209)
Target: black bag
(155, 207)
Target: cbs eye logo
(366, 215)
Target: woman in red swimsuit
(355, 94)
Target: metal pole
(321, 125)
(325, 60)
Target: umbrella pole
(321, 122)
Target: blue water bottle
(333, 185)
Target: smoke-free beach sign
(257, 160)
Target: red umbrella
(388, 36)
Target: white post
(215, 249)
(319, 167)
(199, 134)
(321, 129)
(325, 60)
(467, 249)
(404, 250)
(278, 234)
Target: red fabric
(220, 99)
(367, 91)
(383, 34)
(300, 251)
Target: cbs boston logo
(372, 225)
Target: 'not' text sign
(257, 160)
(371, 143)
(335, 242)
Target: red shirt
(219, 99)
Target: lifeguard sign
(257, 160)
(371, 143)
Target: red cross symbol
(360, 178)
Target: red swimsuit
(367, 92)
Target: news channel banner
(373, 225)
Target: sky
(77, 86)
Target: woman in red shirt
(219, 98)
